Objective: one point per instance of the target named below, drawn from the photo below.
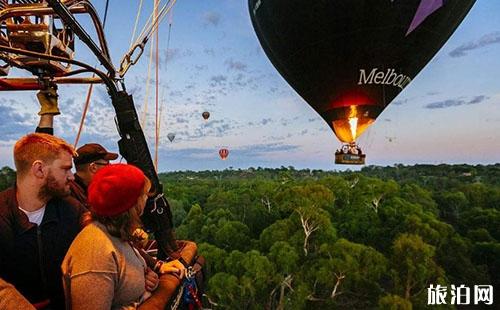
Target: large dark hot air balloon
(349, 59)
(205, 115)
(223, 153)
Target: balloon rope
(91, 87)
(135, 24)
(157, 80)
(162, 105)
(149, 28)
(148, 80)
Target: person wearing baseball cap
(91, 158)
(102, 261)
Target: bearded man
(37, 224)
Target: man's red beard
(52, 189)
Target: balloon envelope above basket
(350, 59)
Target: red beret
(115, 189)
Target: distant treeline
(311, 239)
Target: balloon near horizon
(349, 59)
(223, 153)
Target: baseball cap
(91, 152)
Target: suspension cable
(157, 80)
(159, 117)
(139, 10)
(157, 17)
(133, 55)
(91, 87)
(148, 82)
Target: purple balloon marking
(425, 8)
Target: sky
(211, 60)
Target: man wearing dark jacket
(91, 158)
(37, 225)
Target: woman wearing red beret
(102, 269)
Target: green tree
(232, 235)
(178, 212)
(214, 256)
(280, 230)
(191, 229)
(413, 267)
(224, 290)
(284, 257)
(394, 302)
(451, 205)
(344, 271)
(7, 178)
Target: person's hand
(141, 238)
(140, 234)
(152, 280)
(48, 101)
(175, 267)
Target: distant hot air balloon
(223, 153)
(171, 136)
(205, 115)
(350, 59)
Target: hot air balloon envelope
(171, 136)
(349, 59)
(223, 153)
(205, 115)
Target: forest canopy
(311, 239)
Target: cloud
(445, 104)
(262, 149)
(13, 124)
(455, 102)
(235, 65)
(102, 100)
(192, 153)
(217, 80)
(209, 51)
(136, 88)
(211, 18)
(488, 39)
(478, 99)
(173, 54)
(399, 102)
(199, 68)
(181, 120)
(284, 122)
(265, 121)
(176, 93)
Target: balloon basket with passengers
(350, 154)
(39, 36)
